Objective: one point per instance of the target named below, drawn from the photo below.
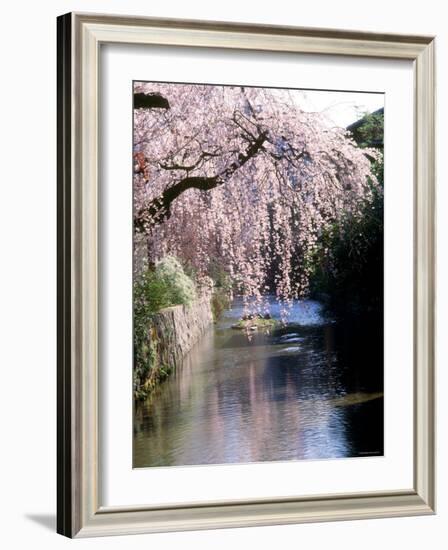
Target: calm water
(310, 390)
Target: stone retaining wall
(171, 335)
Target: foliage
(221, 279)
(243, 175)
(181, 288)
(369, 130)
(351, 273)
(220, 301)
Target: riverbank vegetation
(165, 285)
(350, 275)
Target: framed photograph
(246, 264)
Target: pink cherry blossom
(243, 177)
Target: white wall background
(28, 271)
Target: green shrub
(166, 285)
(181, 288)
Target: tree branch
(159, 208)
(188, 168)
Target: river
(309, 390)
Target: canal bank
(171, 334)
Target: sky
(342, 108)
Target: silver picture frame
(79, 512)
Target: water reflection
(300, 393)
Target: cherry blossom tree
(245, 177)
